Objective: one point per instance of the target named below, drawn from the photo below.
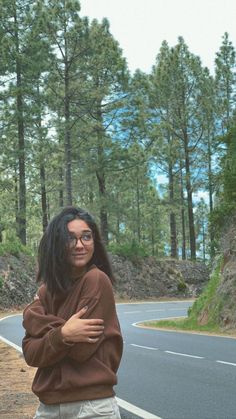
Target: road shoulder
(16, 398)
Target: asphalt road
(167, 374)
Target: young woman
(72, 331)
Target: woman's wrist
(65, 337)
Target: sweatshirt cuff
(56, 340)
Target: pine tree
(106, 79)
(13, 22)
(225, 79)
(67, 34)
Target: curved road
(163, 374)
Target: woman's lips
(75, 255)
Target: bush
(129, 250)
(14, 247)
(208, 298)
(181, 286)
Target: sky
(140, 26)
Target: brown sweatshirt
(75, 371)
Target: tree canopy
(138, 151)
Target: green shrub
(13, 247)
(181, 286)
(131, 250)
(208, 296)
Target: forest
(151, 156)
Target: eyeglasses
(85, 238)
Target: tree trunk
(182, 214)
(210, 189)
(67, 134)
(203, 242)
(153, 240)
(16, 197)
(192, 238)
(100, 174)
(138, 209)
(173, 233)
(61, 194)
(118, 220)
(21, 217)
(103, 211)
(43, 197)
(42, 167)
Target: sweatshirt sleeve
(43, 343)
(98, 296)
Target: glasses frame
(73, 240)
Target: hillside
(145, 278)
(216, 307)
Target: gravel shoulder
(16, 398)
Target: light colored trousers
(89, 409)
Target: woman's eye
(86, 237)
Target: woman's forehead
(78, 226)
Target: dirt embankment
(140, 279)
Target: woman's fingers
(93, 322)
(95, 327)
(80, 312)
(92, 340)
(95, 333)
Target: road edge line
(135, 410)
(13, 345)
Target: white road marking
(144, 347)
(156, 302)
(132, 312)
(176, 309)
(8, 342)
(226, 363)
(169, 352)
(136, 410)
(140, 323)
(7, 317)
(151, 311)
(181, 354)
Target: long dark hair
(53, 267)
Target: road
(168, 375)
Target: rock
(152, 278)
(17, 280)
(144, 278)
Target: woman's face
(81, 245)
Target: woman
(72, 331)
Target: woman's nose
(79, 243)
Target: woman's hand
(82, 330)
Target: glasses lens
(72, 241)
(87, 238)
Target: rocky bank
(146, 278)
(222, 305)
